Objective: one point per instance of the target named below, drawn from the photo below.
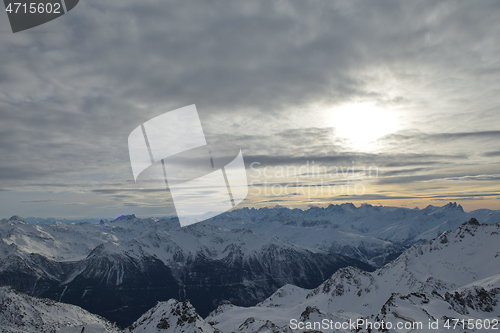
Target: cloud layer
(267, 75)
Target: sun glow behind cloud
(361, 124)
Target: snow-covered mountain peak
(283, 296)
(221, 307)
(453, 205)
(105, 249)
(27, 314)
(261, 326)
(452, 276)
(125, 218)
(171, 317)
(345, 280)
(451, 260)
(17, 218)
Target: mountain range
(119, 269)
(455, 276)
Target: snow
(171, 317)
(427, 281)
(412, 288)
(29, 314)
(366, 233)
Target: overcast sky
(410, 89)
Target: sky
(383, 102)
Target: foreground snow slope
(171, 317)
(22, 313)
(455, 275)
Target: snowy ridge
(453, 276)
(171, 317)
(23, 313)
(373, 234)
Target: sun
(362, 124)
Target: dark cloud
(370, 197)
(436, 176)
(402, 172)
(441, 138)
(134, 190)
(492, 154)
